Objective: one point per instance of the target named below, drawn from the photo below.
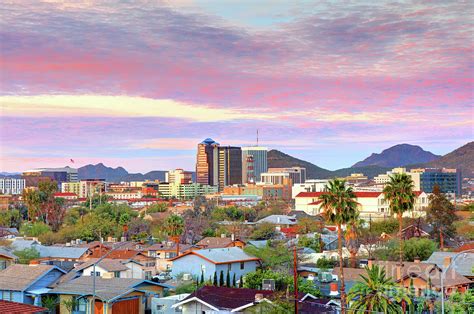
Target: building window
(242, 265)
(3, 264)
(97, 273)
(229, 267)
(116, 274)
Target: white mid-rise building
(309, 186)
(372, 205)
(383, 179)
(12, 186)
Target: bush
(26, 255)
(418, 248)
(34, 229)
(263, 231)
(325, 263)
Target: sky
(139, 84)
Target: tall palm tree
(399, 193)
(377, 293)
(353, 231)
(339, 205)
(174, 226)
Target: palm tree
(353, 231)
(399, 193)
(339, 205)
(377, 293)
(174, 226)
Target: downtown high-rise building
(207, 162)
(230, 166)
(259, 163)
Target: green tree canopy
(26, 255)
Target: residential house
(8, 232)
(462, 263)
(220, 242)
(210, 299)
(280, 221)
(26, 283)
(60, 253)
(209, 261)
(425, 276)
(113, 295)
(164, 305)
(116, 268)
(16, 307)
(7, 258)
(164, 252)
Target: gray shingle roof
(279, 219)
(222, 255)
(18, 277)
(107, 263)
(463, 265)
(106, 289)
(7, 253)
(50, 251)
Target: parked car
(162, 277)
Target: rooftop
(279, 219)
(215, 242)
(18, 277)
(15, 307)
(462, 265)
(222, 255)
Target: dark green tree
(221, 279)
(241, 282)
(441, 214)
(234, 283)
(227, 279)
(214, 281)
(202, 277)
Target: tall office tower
(260, 163)
(207, 162)
(230, 166)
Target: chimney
(447, 261)
(333, 289)
(399, 271)
(370, 262)
(258, 297)
(109, 239)
(417, 260)
(232, 237)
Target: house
(220, 242)
(163, 252)
(280, 221)
(463, 264)
(26, 283)
(16, 307)
(210, 299)
(8, 232)
(164, 305)
(116, 268)
(62, 253)
(425, 276)
(7, 258)
(113, 295)
(209, 261)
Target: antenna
(257, 137)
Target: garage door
(126, 307)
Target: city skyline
(139, 86)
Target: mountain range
(409, 156)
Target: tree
(214, 281)
(253, 280)
(274, 254)
(174, 226)
(263, 231)
(458, 303)
(441, 213)
(353, 231)
(221, 279)
(325, 263)
(418, 248)
(339, 206)
(202, 277)
(310, 242)
(10, 219)
(26, 255)
(32, 201)
(234, 283)
(241, 282)
(157, 208)
(377, 293)
(50, 302)
(227, 279)
(307, 225)
(70, 304)
(34, 229)
(399, 192)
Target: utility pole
(295, 278)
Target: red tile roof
(64, 194)
(15, 307)
(357, 194)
